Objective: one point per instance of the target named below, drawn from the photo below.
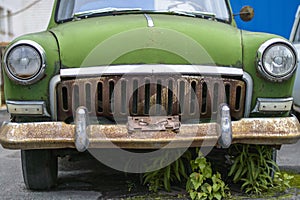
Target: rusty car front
(144, 75)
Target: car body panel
(151, 48)
(261, 87)
(151, 44)
(130, 39)
(38, 91)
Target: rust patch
(48, 130)
(107, 96)
(269, 131)
(266, 131)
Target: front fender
(39, 90)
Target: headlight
(277, 60)
(25, 62)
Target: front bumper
(53, 135)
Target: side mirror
(246, 13)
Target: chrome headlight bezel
(264, 48)
(34, 77)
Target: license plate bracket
(153, 123)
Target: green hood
(127, 39)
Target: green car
(144, 75)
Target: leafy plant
(253, 167)
(202, 183)
(163, 178)
(295, 181)
(282, 181)
(130, 185)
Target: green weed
(253, 168)
(202, 183)
(163, 178)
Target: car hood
(131, 39)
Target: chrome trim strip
(248, 99)
(151, 69)
(27, 108)
(149, 20)
(288, 102)
(37, 76)
(53, 98)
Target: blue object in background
(271, 16)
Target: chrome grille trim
(138, 103)
(248, 98)
(203, 70)
(53, 96)
(71, 73)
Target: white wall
(31, 20)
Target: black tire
(39, 169)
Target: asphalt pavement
(289, 157)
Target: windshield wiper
(113, 11)
(104, 11)
(202, 14)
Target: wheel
(39, 169)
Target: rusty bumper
(52, 135)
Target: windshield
(68, 9)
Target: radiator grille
(115, 96)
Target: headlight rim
(41, 52)
(260, 59)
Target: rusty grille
(115, 96)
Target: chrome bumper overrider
(51, 135)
